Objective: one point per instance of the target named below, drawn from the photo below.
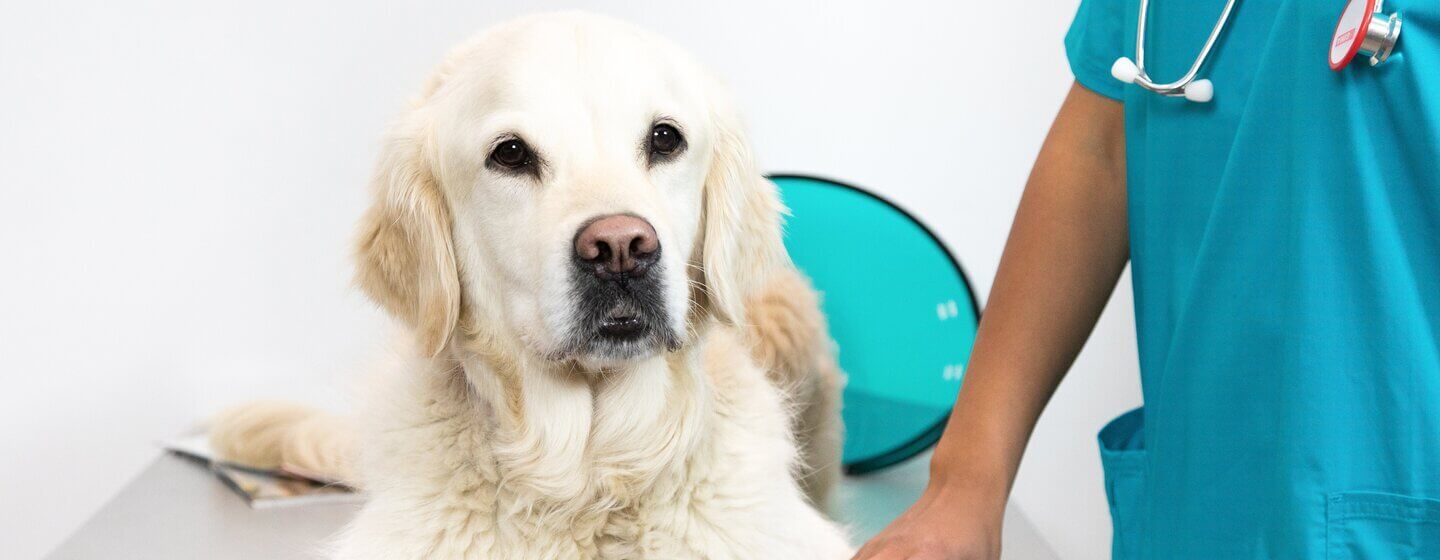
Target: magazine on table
(265, 488)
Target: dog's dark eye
(665, 141)
(512, 154)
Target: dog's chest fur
(689, 459)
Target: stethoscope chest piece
(1364, 29)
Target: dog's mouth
(623, 323)
(619, 319)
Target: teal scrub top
(1285, 245)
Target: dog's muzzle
(619, 290)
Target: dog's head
(574, 183)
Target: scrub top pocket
(1374, 525)
(1122, 454)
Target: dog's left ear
(742, 244)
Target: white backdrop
(178, 182)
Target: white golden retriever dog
(614, 357)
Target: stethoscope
(1376, 40)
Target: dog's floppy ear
(404, 255)
(742, 243)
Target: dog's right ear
(405, 259)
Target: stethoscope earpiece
(1199, 91)
(1125, 70)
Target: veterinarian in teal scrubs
(1285, 245)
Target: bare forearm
(1066, 250)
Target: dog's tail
(281, 435)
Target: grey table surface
(177, 509)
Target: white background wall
(178, 182)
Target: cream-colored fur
(490, 441)
(273, 434)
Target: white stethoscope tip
(1200, 91)
(1125, 70)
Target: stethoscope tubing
(1176, 88)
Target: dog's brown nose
(617, 244)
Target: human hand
(944, 524)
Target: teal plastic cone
(900, 309)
